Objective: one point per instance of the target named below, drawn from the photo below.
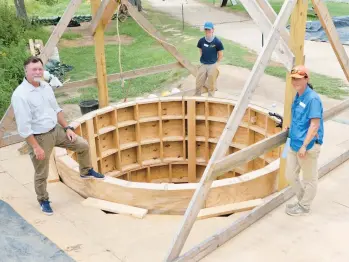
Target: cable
(120, 66)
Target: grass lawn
(144, 51)
(335, 9)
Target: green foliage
(14, 35)
(71, 35)
(12, 28)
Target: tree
(20, 9)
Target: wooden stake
(103, 96)
(233, 122)
(297, 32)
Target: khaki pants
(209, 73)
(305, 190)
(47, 141)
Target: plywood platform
(87, 234)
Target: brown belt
(50, 131)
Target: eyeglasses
(299, 72)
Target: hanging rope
(120, 65)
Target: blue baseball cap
(208, 25)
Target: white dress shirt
(35, 108)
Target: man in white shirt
(41, 122)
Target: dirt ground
(87, 39)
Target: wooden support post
(191, 141)
(229, 131)
(59, 29)
(265, 24)
(297, 32)
(151, 30)
(92, 143)
(103, 96)
(332, 34)
(99, 14)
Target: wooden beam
(98, 17)
(229, 208)
(332, 34)
(249, 153)
(7, 120)
(229, 131)
(297, 32)
(221, 237)
(265, 24)
(59, 29)
(117, 76)
(191, 141)
(271, 14)
(98, 37)
(151, 30)
(115, 207)
(109, 12)
(231, 161)
(10, 140)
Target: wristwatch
(68, 127)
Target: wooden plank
(6, 121)
(10, 140)
(99, 14)
(228, 163)
(59, 29)
(265, 24)
(117, 76)
(53, 176)
(92, 142)
(31, 47)
(297, 32)
(332, 34)
(236, 159)
(115, 207)
(151, 30)
(98, 37)
(272, 202)
(233, 122)
(191, 140)
(229, 208)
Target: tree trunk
(20, 9)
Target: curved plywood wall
(147, 147)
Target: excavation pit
(154, 152)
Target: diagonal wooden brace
(265, 24)
(229, 131)
(59, 29)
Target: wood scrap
(229, 208)
(115, 207)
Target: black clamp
(278, 117)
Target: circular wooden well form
(154, 152)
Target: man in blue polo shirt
(211, 53)
(306, 134)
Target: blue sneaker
(46, 208)
(92, 174)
